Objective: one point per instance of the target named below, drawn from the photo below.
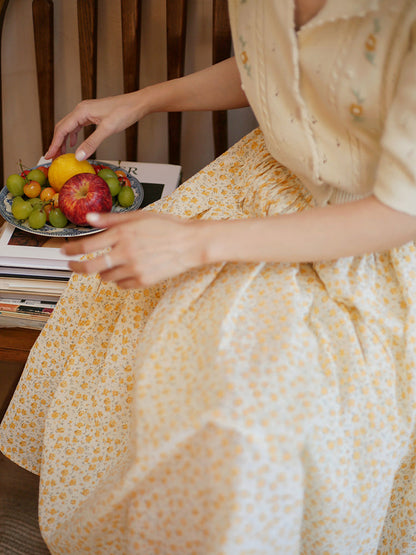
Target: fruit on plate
(126, 196)
(57, 218)
(44, 170)
(114, 185)
(105, 173)
(64, 167)
(31, 193)
(15, 184)
(36, 202)
(48, 208)
(32, 189)
(37, 218)
(112, 180)
(47, 194)
(84, 193)
(122, 177)
(37, 175)
(21, 208)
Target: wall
(21, 124)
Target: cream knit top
(336, 100)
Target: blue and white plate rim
(70, 230)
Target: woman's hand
(215, 88)
(148, 247)
(110, 115)
(145, 248)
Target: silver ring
(107, 260)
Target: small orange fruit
(32, 189)
(64, 167)
(47, 193)
(47, 208)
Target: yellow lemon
(64, 167)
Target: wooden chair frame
(87, 10)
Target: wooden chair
(131, 33)
(87, 10)
(221, 47)
(3, 8)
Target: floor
(19, 530)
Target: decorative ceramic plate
(70, 230)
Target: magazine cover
(20, 249)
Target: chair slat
(87, 35)
(221, 49)
(3, 7)
(42, 15)
(176, 38)
(131, 11)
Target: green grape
(14, 184)
(126, 196)
(57, 218)
(36, 202)
(21, 209)
(114, 185)
(37, 219)
(37, 175)
(105, 173)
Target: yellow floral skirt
(236, 409)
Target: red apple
(84, 193)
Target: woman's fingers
(143, 272)
(102, 240)
(110, 265)
(138, 248)
(109, 115)
(111, 219)
(85, 113)
(90, 145)
(102, 264)
(89, 244)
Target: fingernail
(92, 217)
(80, 155)
(46, 156)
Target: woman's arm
(326, 233)
(215, 88)
(148, 247)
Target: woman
(242, 377)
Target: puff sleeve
(395, 181)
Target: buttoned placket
(293, 122)
(331, 12)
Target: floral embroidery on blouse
(356, 108)
(371, 42)
(244, 56)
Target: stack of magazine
(33, 275)
(34, 272)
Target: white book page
(30, 257)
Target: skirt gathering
(239, 408)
